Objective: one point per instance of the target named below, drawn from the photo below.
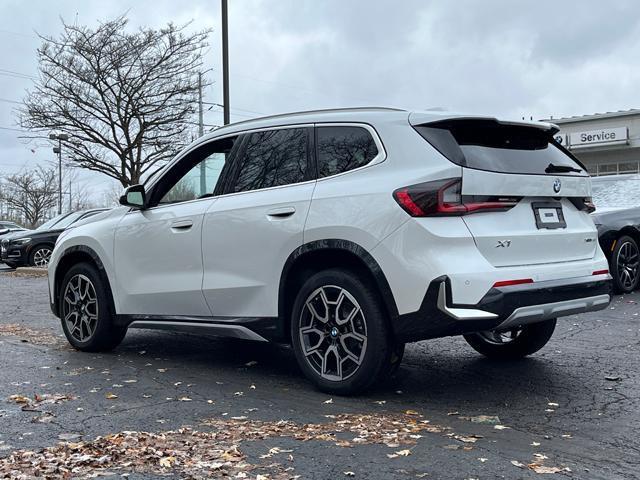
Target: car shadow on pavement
(433, 373)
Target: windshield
(50, 223)
(71, 218)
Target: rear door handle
(181, 225)
(282, 212)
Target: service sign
(605, 136)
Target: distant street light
(60, 137)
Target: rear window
(489, 145)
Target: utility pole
(225, 63)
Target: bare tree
(126, 99)
(32, 193)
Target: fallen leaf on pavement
(517, 464)
(167, 462)
(111, 396)
(536, 467)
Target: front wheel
(40, 256)
(340, 334)
(85, 311)
(512, 344)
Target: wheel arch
(72, 256)
(611, 238)
(319, 255)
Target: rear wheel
(512, 344)
(340, 334)
(85, 311)
(40, 256)
(625, 262)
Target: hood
(29, 234)
(93, 218)
(16, 234)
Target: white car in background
(346, 233)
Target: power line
(12, 73)
(10, 101)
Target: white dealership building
(607, 143)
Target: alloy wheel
(41, 257)
(80, 307)
(501, 338)
(627, 265)
(333, 333)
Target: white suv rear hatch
(549, 189)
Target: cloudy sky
(502, 57)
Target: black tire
(529, 339)
(377, 358)
(37, 253)
(105, 336)
(624, 265)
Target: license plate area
(548, 215)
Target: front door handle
(282, 212)
(181, 225)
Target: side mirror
(134, 196)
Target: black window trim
(231, 174)
(379, 158)
(234, 171)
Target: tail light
(444, 197)
(584, 204)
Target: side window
(197, 174)
(272, 158)
(341, 149)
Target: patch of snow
(616, 192)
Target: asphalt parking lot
(572, 409)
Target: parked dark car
(7, 228)
(34, 247)
(619, 237)
(617, 216)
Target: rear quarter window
(343, 148)
(492, 146)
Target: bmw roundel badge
(557, 185)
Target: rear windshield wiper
(551, 168)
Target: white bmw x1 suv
(346, 233)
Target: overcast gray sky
(502, 57)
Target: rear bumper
(502, 308)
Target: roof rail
(306, 112)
